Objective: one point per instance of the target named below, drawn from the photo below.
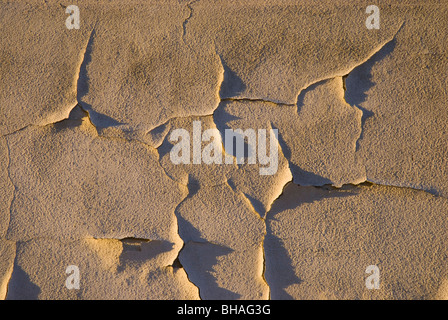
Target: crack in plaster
(8, 171)
(184, 24)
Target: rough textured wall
(223, 149)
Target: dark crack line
(263, 272)
(8, 281)
(184, 24)
(8, 170)
(259, 100)
(243, 196)
(15, 131)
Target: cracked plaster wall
(86, 177)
